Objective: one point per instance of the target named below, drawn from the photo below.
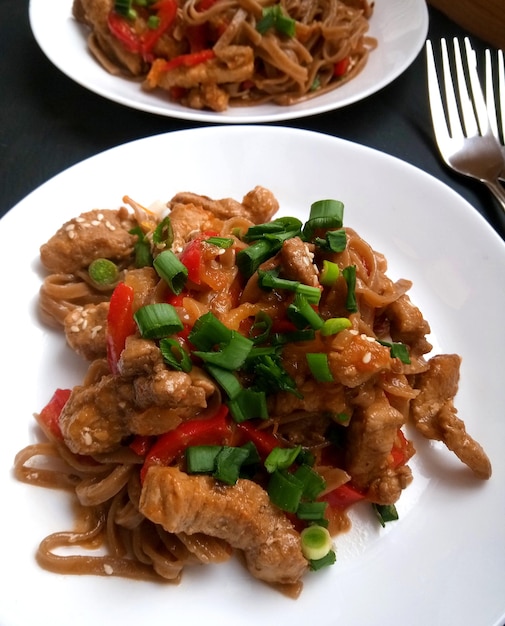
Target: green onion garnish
(220, 242)
(175, 355)
(324, 215)
(273, 17)
(142, 249)
(301, 313)
(318, 365)
(334, 325)
(313, 483)
(173, 272)
(103, 272)
(329, 559)
(329, 273)
(201, 459)
(385, 513)
(248, 404)
(311, 511)
(279, 229)
(281, 458)
(397, 350)
(316, 542)
(231, 356)
(349, 274)
(333, 241)
(285, 490)
(208, 332)
(223, 462)
(158, 320)
(226, 379)
(153, 21)
(163, 233)
(250, 258)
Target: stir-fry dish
(249, 380)
(212, 54)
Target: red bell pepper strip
(141, 444)
(192, 255)
(216, 430)
(343, 497)
(48, 418)
(120, 323)
(122, 29)
(188, 60)
(341, 67)
(402, 450)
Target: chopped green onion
(260, 330)
(285, 490)
(228, 464)
(273, 17)
(329, 273)
(163, 233)
(142, 249)
(311, 511)
(250, 258)
(301, 313)
(385, 513)
(201, 459)
(335, 325)
(318, 365)
(329, 559)
(173, 272)
(175, 355)
(313, 483)
(248, 404)
(220, 242)
(316, 542)
(324, 214)
(270, 374)
(231, 356)
(103, 272)
(270, 280)
(208, 332)
(398, 350)
(158, 320)
(124, 8)
(153, 21)
(278, 229)
(350, 278)
(281, 458)
(293, 336)
(334, 241)
(226, 379)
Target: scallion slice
(285, 490)
(228, 464)
(311, 511)
(220, 242)
(226, 379)
(282, 226)
(318, 365)
(158, 320)
(385, 513)
(248, 404)
(175, 355)
(329, 559)
(281, 458)
(142, 249)
(334, 241)
(163, 233)
(270, 280)
(329, 273)
(335, 325)
(349, 274)
(316, 542)
(201, 459)
(232, 354)
(208, 332)
(173, 272)
(250, 258)
(313, 483)
(301, 313)
(397, 350)
(324, 215)
(103, 272)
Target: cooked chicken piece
(188, 219)
(435, 416)
(241, 514)
(233, 65)
(297, 262)
(259, 205)
(86, 329)
(370, 437)
(97, 233)
(407, 325)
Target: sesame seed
(74, 329)
(95, 330)
(95, 223)
(109, 225)
(108, 569)
(71, 234)
(354, 332)
(367, 357)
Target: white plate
(443, 562)
(399, 25)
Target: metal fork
(464, 135)
(495, 80)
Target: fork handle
(497, 190)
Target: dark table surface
(48, 122)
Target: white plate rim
(400, 25)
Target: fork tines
(495, 92)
